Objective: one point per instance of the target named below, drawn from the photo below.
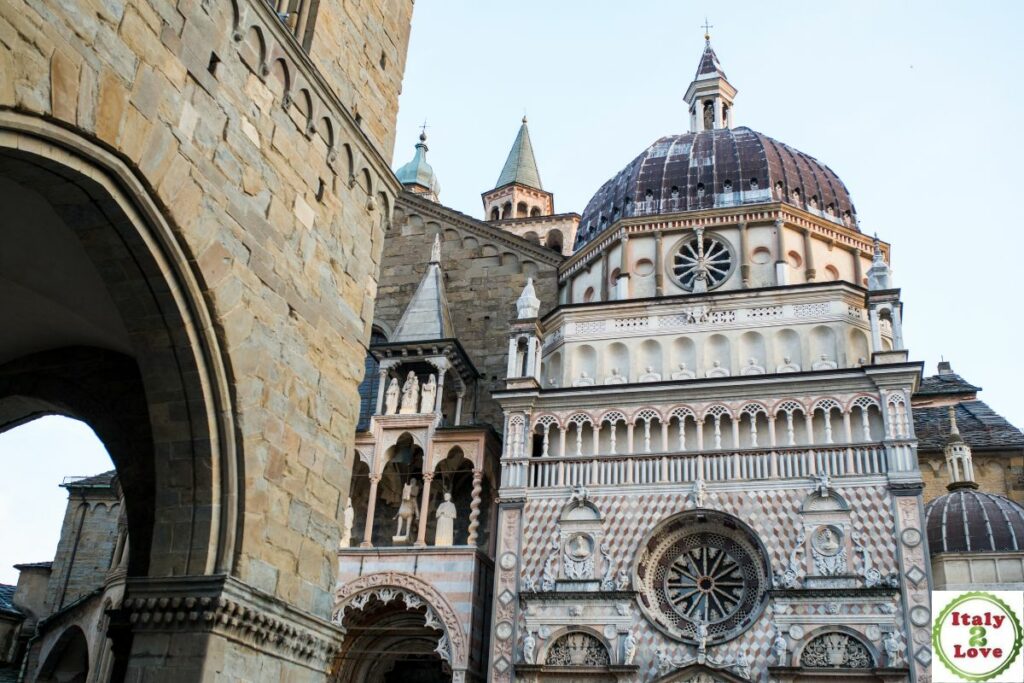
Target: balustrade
(674, 468)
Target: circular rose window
(701, 262)
(702, 569)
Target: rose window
(702, 572)
(702, 262)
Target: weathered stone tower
(194, 201)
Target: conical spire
(521, 167)
(710, 96)
(427, 316)
(959, 459)
(528, 305)
(417, 175)
(709, 65)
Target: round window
(701, 262)
(702, 572)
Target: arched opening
(105, 323)
(531, 236)
(535, 211)
(553, 240)
(616, 363)
(396, 514)
(68, 659)
(584, 365)
(453, 476)
(359, 495)
(522, 210)
(495, 214)
(506, 210)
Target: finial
(953, 429)
(435, 251)
(707, 30)
(524, 118)
(528, 305)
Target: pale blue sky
(916, 105)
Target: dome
(966, 520)
(418, 171)
(714, 169)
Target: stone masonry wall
(360, 45)
(998, 473)
(276, 198)
(87, 539)
(485, 271)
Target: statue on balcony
(407, 511)
(410, 392)
(391, 397)
(824, 363)
(788, 366)
(444, 535)
(752, 368)
(717, 370)
(427, 394)
(583, 380)
(346, 528)
(650, 375)
(615, 378)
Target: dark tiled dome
(716, 168)
(965, 520)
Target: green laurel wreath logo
(1014, 652)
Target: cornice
(479, 228)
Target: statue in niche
(615, 378)
(346, 528)
(628, 648)
(650, 375)
(583, 380)
(622, 580)
(752, 368)
(824, 363)
(717, 370)
(700, 492)
(427, 394)
(709, 116)
(444, 534)
(529, 647)
(410, 394)
(788, 365)
(893, 648)
(683, 372)
(391, 397)
(407, 511)
(779, 647)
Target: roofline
(516, 182)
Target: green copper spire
(521, 167)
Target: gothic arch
(391, 585)
(567, 631)
(167, 356)
(872, 653)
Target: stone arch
(800, 650)
(68, 660)
(166, 356)
(595, 640)
(391, 585)
(554, 240)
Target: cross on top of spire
(707, 29)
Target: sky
(916, 105)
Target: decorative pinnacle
(953, 429)
(435, 251)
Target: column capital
(375, 478)
(428, 476)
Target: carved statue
(779, 647)
(683, 373)
(615, 378)
(584, 381)
(824, 363)
(407, 511)
(717, 370)
(893, 648)
(346, 528)
(824, 483)
(650, 375)
(529, 648)
(788, 365)
(427, 394)
(628, 648)
(444, 533)
(701, 636)
(700, 490)
(391, 397)
(752, 368)
(709, 116)
(622, 580)
(410, 394)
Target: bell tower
(518, 192)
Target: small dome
(966, 520)
(418, 171)
(712, 169)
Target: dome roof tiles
(713, 169)
(966, 520)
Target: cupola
(417, 176)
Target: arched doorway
(68, 659)
(105, 322)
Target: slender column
(611, 435)
(827, 414)
(382, 374)
(865, 424)
(629, 438)
(561, 441)
(753, 430)
(647, 436)
(847, 428)
(744, 256)
(718, 431)
(595, 430)
(659, 275)
(858, 268)
(474, 507)
(682, 433)
(809, 272)
(780, 254)
(579, 438)
(604, 275)
(627, 265)
(547, 442)
(458, 406)
(370, 508)
(897, 328)
(717, 123)
(735, 432)
(535, 370)
(809, 420)
(421, 535)
(531, 356)
(791, 432)
(441, 372)
(512, 370)
(664, 437)
(876, 330)
(771, 430)
(700, 435)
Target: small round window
(701, 262)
